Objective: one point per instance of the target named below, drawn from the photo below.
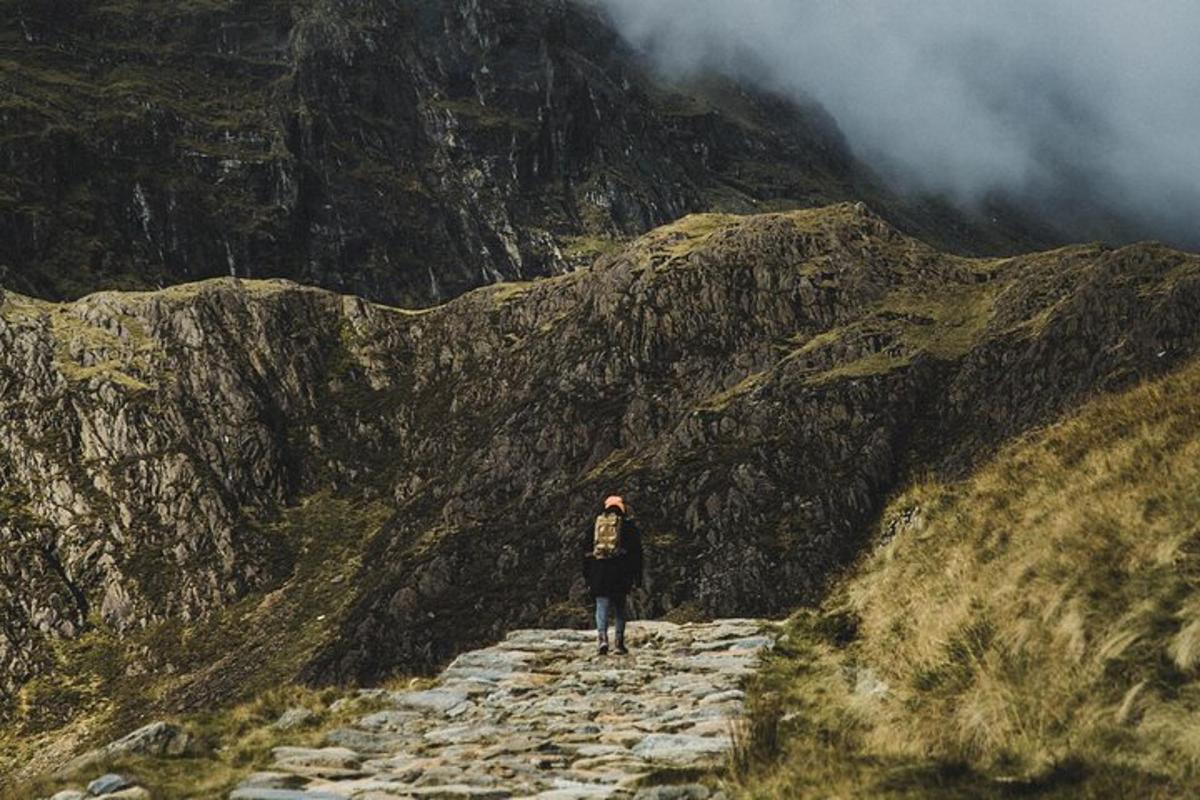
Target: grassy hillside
(1032, 630)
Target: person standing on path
(612, 566)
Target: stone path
(539, 715)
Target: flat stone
(317, 756)
(558, 705)
(69, 794)
(271, 780)
(459, 791)
(678, 749)
(612, 677)
(438, 700)
(493, 658)
(592, 750)
(472, 686)
(389, 720)
(626, 737)
(613, 764)
(690, 716)
(467, 733)
(682, 683)
(747, 644)
(712, 727)
(401, 767)
(357, 787)
(510, 745)
(565, 789)
(547, 635)
(575, 728)
(718, 662)
(107, 784)
(281, 794)
(723, 697)
(365, 741)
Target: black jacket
(614, 577)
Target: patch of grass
(589, 248)
(1029, 631)
(945, 322)
(865, 367)
(721, 400)
(619, 462)
(671, 244)
(509, 290)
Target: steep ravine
(237, 478)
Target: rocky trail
(540, 715)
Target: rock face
(540, 715)
(402, 151)
(755, 386)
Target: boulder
(156, 739)
(108, 784)
(295, 718)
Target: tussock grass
(1033, 630)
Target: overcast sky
(1054, 101)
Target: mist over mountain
(1085, 112)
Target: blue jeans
(614, 607)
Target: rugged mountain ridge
(199, 477)
(401, 151)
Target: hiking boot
(622, 650)
(603, 649)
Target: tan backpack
(606, 536)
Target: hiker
(612, 565)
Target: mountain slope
(1036, 622)
(199, 477)
(401, 151)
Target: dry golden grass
(1035, 628)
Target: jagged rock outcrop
(401, 151)
(756, 386)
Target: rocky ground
(540, 715)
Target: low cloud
(1076, 108)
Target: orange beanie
(615, 500)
